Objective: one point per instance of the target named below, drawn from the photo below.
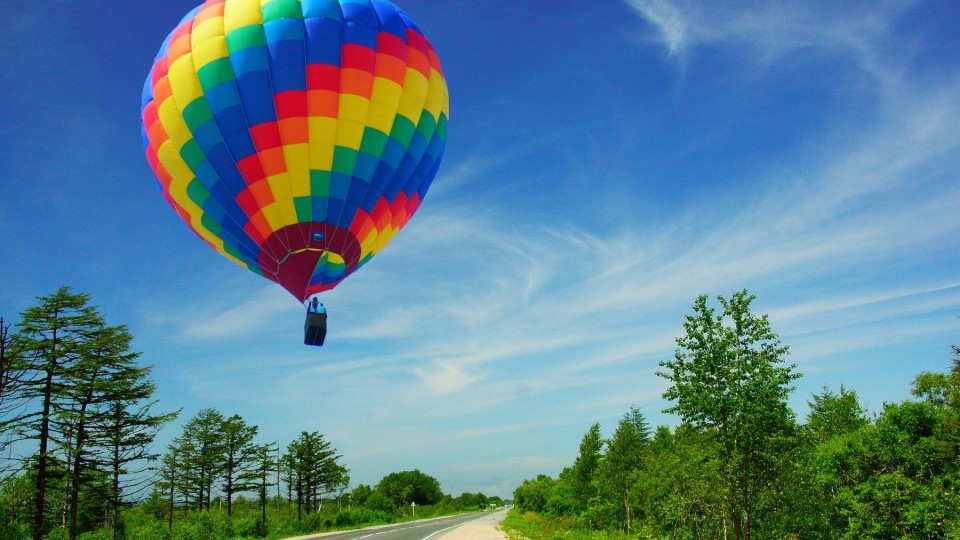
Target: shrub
(251, 527)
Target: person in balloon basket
(316, 306)
(315, 327)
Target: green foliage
(251, 527)
(347, 519)
(617, 482)
(14, 531)
(199, 454)
(683, 483)
(832, 415)
(408, 487)
(532, 495)
(726, 381)
(314, 470)
(378, 502)
(562, 500)
(360, 494)
(740, 466)
(205, 526)
(240, 453)
(531, 526)
(581, 475)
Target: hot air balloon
(296, 137)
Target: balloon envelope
(296, 137)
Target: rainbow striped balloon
(296, 137)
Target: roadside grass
(530, 526)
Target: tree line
(216, 481)
(77, 427)
(740, 465)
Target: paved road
(431, 529)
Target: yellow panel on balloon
(297, 156)
(209, 50)
(353, 108)
(349, 134)
(381, 116)
(205, 31)
(184, 81)
(414, 93)
(238, 13)
(322, 130)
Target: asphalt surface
(473, 526)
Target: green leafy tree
(561, 499)
(942, 390)
(532, 495)
(16, 496)
(585, 467)
(77, 414)
(832, 415)
(466, 500)
(727, 380)
(378, 502)
(896, 489)
(408, 487)
(683, 494)
(360, 494)
(619, 469)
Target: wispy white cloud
(670, 23)
(768, 31)
(926, 297)
(254, 313)
(444, 378)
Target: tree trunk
(75, 488)
(626, 509)
(747, 504)
(77, 465)
(41, 484)
(263, 502)
(173, 481)
(115, 493)
(229, 495)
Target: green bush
(344, 518)
(204, 526)
(14, 532)
(251, 527)
(153, 530)
(56, 534)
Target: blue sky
(606, 163)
